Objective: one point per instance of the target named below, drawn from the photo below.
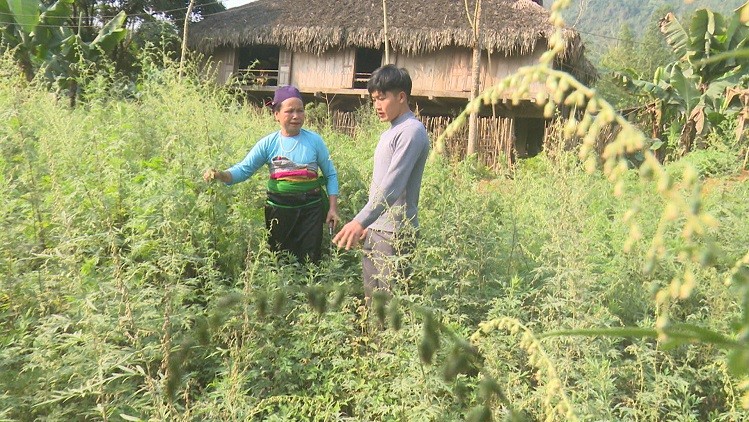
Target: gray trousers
(386, 259)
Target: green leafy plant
(683, 210)
(41, 40)
(692, 90)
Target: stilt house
(329, 48)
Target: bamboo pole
(184, 37)
(385, 20)
(475, 78)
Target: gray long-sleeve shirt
(399, 161)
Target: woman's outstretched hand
(212, 175)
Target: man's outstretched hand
(350, 235)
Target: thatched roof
(414, 26)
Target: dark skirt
(294, 223)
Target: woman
(297, 205)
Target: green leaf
(426, 350)
(737, 32)
(640, 87)
(480, 413)
(488, 388)
(676, 36)
(25, 13)
(686, 89)
(715, 94)
(701, 334)
(656, 144)
(4, 10)
(701, 30)
(396, 317)
(111, 34)
(58, 13)
(675, 332)
(738, 362)
(740, 54)
(279, 300)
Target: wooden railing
(362, 77)
(259, 77)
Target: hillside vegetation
(600, 21)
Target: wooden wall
(498, 66)
(224, 63)
(496, 136)
(449, 70)
(334, 69)
(446, 72)
(442, 71)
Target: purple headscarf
(284, 93)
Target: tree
(42, 42)
(639, 56)
(156, 22)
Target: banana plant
(60, 64)
(41, 39)
(690, 92)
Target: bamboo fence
(495, 136)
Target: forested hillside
(600, 21)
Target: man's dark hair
(390, 78)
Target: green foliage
(42, 43)
(636, 55)
(134, 291)
(681, 236)
(692, 89)
(707, 163)
(599, 21)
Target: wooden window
(259, 65)
(366, 61)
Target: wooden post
(476, 79)
(184, 37)
(385, 20)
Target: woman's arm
(212, 174)
(332, 218)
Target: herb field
(131, 290)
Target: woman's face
(290, 116)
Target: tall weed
(132, 290)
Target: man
(389, 221)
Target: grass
(131, 290)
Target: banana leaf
(25, 13)
(677, 36)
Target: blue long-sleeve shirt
(306, 148)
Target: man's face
(388, 105)
(291, 116)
